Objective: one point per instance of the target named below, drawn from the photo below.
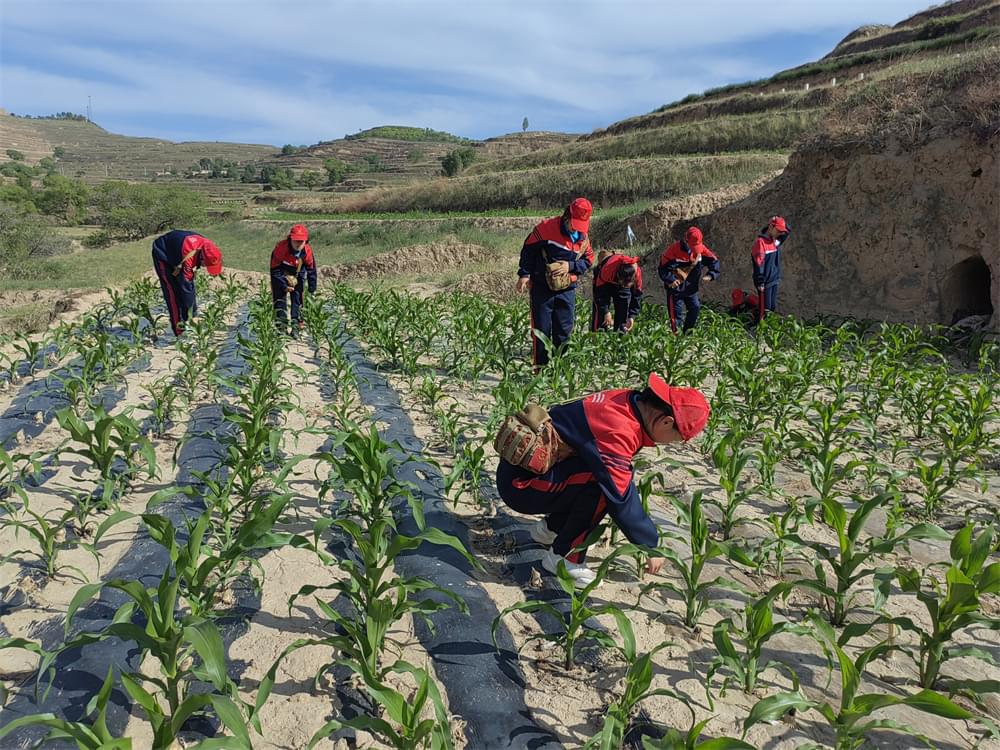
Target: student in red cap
(744, 303)
(292, 266)
(553, 257)
(605, 431)
(766, 259)
(683, 266)
(617, 293)
(176, 256)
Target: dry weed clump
(912, 107)
(606, 183)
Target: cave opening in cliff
(966, 290)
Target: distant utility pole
(88, 107)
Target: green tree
(310, 179)
(15, 155)
(373, 163)
(134, 211)
(63, 198)
(249, 174)
(58, 152)
(524, 125)
(19, 198)
(47, 164)
(278, 178)
(457, 160)
(336, 170)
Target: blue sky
(301, 71)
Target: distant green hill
(406, 133)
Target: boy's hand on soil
(628, 325)
(654, 564)
(608, 320)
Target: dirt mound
(497, 286)
(655, 224)
(410, 261)
(895, 217)
(33, 310)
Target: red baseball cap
(690, 408)
(211, 258)
(579, 214)
(693, 236)
(778, 223)
(299, 232)
(738, 297)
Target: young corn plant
(852, 719)
(743, 664)
(30, 350)
(692, 590)
(404, 724)
(952, 607)
(163, 397)
(675, 739)
(92, 736)
(189, 654)
(576, 629)
(113, 445)
(825, 451)
(851, 559)
(637, 687)
(731, 458)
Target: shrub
(23, 242)
(100, 238)
(63, 198)
(15, 155)
(134, 211)
(456, 161)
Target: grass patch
(606, 183)
(771, 132)
(248, 248)
(406, 133)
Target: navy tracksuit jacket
(605, 433)
(679, 255)
(174, 259)
(552, 313)
(284, 263)
(765, 256)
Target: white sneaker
(541, 533)
(582, 575)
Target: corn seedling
(852, 719)
(92, 736)
(637, 687)
(743, 664)
(404, 726)
(30, 349)
(675, 739)
(692, 590)
(731, 459)
(852, 557)
(951, 607)
(188, 651)
(107, 442)
(163, 396)
(576, 629)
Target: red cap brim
(579, 225)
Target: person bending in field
(292, 266)
(176, 256)
(603, 431)
(683, 266)
(744, 304)
(553, 257)
(617, 293)
(765, 257)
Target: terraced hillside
(395, 155)
(664, 154)
(94, 154)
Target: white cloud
(467, 64)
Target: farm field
(235, 539)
